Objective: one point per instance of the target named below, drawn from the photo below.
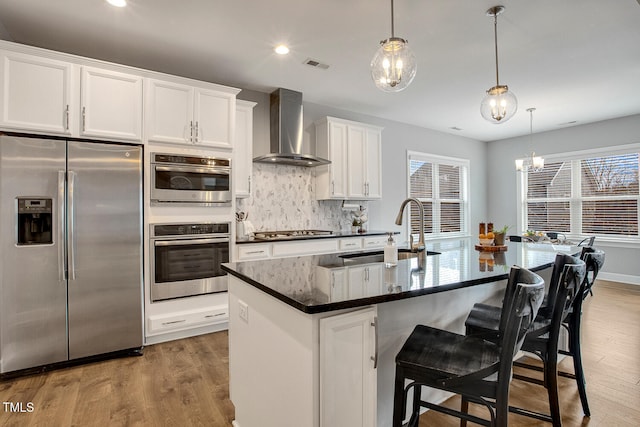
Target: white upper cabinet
(243, 148)
(36, 94)
(169, 112)
(182, 114)
(355, 150)
(111, 104)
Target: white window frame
(576, 198)
(436, 160)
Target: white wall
(621, 262)
(397, 138)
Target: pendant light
(393, 67)
(498, 105)
(532, 162)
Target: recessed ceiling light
(117, 3)
(281, 49)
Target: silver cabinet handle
(208, 316)
(249, 179)
(191, 131)
(374, 324)
(84, 119)
(66, 118)
(333, 187)
(254, 252)
(62, 268)
(71, 227)
(197, 132)
(173, 322)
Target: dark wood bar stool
(475, 368)
(594, 260)
(543, 337)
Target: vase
(498, 239)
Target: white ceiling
(576, 61)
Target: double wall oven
(186, 259)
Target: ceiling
(576, 61)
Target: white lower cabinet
(163, 323)
(348, 375)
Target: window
(584, 194)
(440, 183)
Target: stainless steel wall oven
(186, 259)
(190, 180)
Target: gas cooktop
(290, 234)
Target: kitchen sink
(378, 256)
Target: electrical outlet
(243, 311)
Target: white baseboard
(623, 278)
(234, 423)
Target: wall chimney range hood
(286, 132)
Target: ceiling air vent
(316, 64)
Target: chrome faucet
(415, 247)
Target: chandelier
(393, 67)
(532, 162)
(499, 104)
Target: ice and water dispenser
(34, 221)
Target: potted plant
(499, 235)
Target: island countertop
(321, 283)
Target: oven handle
(184, 242)
(220, 169)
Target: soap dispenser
(390, 252)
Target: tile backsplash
(283, 198)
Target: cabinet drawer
(350, 244)
(307, 247)
(186, 319)
(250, 252)
(374, 241)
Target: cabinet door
(373, 164)
(243, 148)
(338, 157)
(214, 118)
(111, 104)
(338, 291)
(36, 93)
(357, 162)
(169, 112)
(348, 378)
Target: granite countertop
(315, 284)
(333, 235)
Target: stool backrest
(519, 311)
(594, 260)
(559, 264)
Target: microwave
(181, 179)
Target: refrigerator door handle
(62, 271)
(71, 234)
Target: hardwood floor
(185, 382)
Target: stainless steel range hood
(287, 131)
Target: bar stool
(543, 337)
(594, 260)
(475, 368)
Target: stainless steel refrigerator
(71, 250)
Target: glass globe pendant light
(393, 67)
(499, 104)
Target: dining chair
(473, 367)
(543, 338)
(588, 241)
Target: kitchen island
(312, 339)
